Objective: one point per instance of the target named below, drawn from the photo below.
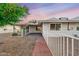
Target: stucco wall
(8, 29)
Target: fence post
(67, 46)
(58, 46)
(63, 46)
(72, 47)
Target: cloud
(67, 13)
(42, 11)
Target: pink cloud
(40, 15)
(67, 13)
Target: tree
(11, 13)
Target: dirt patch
(16, 45)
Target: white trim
(72, 47)
(67, 46)
(58, 46)
(63, 46)
(55, 27)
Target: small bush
(14, 34)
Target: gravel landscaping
(16, 45)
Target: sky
(40, 11)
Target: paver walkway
(41, 48)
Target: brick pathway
(41, 48)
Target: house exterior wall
(53, 33)
(32, 28)
(74, 26)
(8, 29)
(63, 26)
(47, 34)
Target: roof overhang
(61, 21)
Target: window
(55, 26)
(52, 26)
(38, 28)
(78, 28)
(58, 26)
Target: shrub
(14, 34)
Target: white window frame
(55, 27)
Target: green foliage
(11, 13)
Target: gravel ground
(16, 45)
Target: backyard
(16, 45)
(30, 45)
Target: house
(54, 27)
(9, 29)
(59, 33)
